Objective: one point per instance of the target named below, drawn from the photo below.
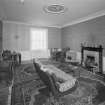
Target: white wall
(92, 31)
(54, 38)
(16, 37)
(2, 13)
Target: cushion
(63, 81)
(57, 79)
(66, 85)
(63, 85)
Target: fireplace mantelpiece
(98, 49)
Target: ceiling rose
(55, 8)
(22, 1)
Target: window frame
(43, 29)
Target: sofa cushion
(63, 81)
(63, 85)
(57, 79)
(66, 85)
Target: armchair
(6, 55)
(52, 83)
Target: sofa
(63, 80)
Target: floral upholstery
(62, 80)
(63, 85)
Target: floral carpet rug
(88, 92)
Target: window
(38, 39)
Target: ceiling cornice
(87, 18)
(80, 20)
(28, 24)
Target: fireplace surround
(94, 57)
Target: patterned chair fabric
(57, 86)
(63, 85)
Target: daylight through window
(39, 39)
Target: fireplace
(92, 58)
(91, 63)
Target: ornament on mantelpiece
(94, 45)
(84, 43)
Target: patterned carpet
(87, 93)
(27, 85)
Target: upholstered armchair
(6, 55)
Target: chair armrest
(57, 81)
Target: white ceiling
(31, 11)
